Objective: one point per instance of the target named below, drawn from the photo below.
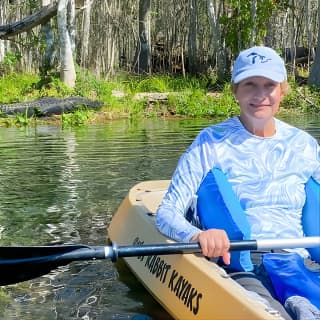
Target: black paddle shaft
(20, 263)
(153, 249)
(172, 248)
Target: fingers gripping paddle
(20, 263)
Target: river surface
(63, 186)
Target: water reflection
(63, 186)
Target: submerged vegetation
(131, 96)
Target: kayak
(188, 286)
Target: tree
(143, 51)
(85, 31)
(221, 65)
(2, 8)
(245, 22)
(27, 23)
(67, 69)
(253, 19)
(314, 77)
(192, 39)
(207, 34)
(48, 36)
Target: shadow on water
(149, 306)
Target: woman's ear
(234, 88)
(284, 88)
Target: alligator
(48, 106)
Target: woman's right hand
(214, 243)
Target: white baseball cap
(259, 62)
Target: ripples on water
(63, 186)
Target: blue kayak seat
(311, 215)
(218, 207)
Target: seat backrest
(311, 215)
(218, 207)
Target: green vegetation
(238, 26)
(79, 117)
(126, 96)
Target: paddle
(20, 263)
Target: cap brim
(274, 76)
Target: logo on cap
(254, 55)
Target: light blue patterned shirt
(267, 174)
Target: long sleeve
(268, 175)
(191, 169)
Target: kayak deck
(188, 286)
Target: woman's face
(259, 99)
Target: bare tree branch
(27, 23)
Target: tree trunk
(48, 36)
(192, 39)
(220, 56)
(239, 38)
(309, 32)
(253, 18)
(143, 51)
(85, 32)
(314, 77)
(71, 9)
(2, 44)
(293, 39)
(67, 70)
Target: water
(63, 186)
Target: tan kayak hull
(188, 286)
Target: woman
(266, 161)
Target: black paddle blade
(22, 272)
(19, 264)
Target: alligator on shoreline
(45, 107)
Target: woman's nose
(260, 93)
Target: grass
(187, 97)
(16, 88)
(81, 116)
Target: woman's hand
(214, 243)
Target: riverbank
(133, 97)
